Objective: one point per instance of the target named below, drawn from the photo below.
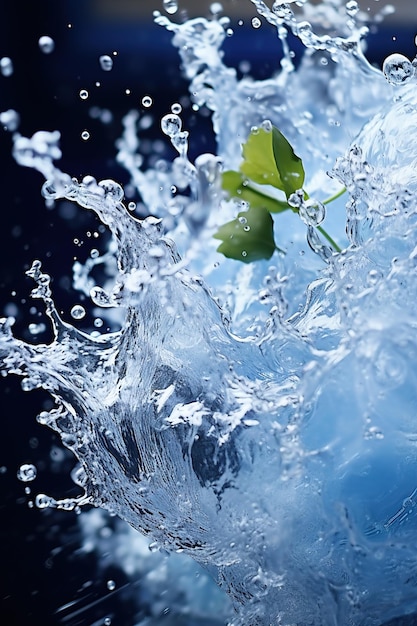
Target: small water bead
(146, 101)
(216, 8)
(98, 322)
(43, 501)
(171, 124)
(176, 108)
(36, 329)
(267, 126)
(170, 6)
(27, 472)
(85, 135)
(111, 585)
(10, 120)
(107, 621)
(398, 69)
(352, 8)
(132, 206)
(106, 62)
(46, 44)
(256, 22)
(6, 66)
(78, 312)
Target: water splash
(271, 438)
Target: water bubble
(83, 94)
(36, 329)
(267, 126)
(26, 472)
(282, 9)
(171, 124)
(107, 621)
(98, 322)
(85, 135)
(216, 8)
(398, 69)
(256, 22)
(176, 108)
(10, 120)
(132, 206)
(111, 585)
(78, 312)
(46, 44)
(170, 6)
(106, 62)
(146, 101)
(43, 501)
(352, 8)
(6, 66)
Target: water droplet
(132, 206)
(267, 126)
(111, 585)
(146, 101)
(43, 501)
(171, 124)
(78, 312)
(256, 22)
(6, 66)
(94, 253)
(10, 120)
(176, 108)
(107, 621)
(83, 94)
(98, 322)
(170, 6)
(352, 8)
(46, 44)
(26, 473)
(106, 62)
(398, 69)
(36, 329)
(216, 8)
(85, 135)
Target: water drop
(398, 69)
(85, 135)
(98, 322)
(107, 621)
(170, 6)
(256, 22)
(46, 44)
(176, 108)
(352, 8)
(78, 312)
(132, 206)
(83, 94)
(146, 101)
(216, 8)
(111, 585)
(171, 124)
(26, 473)
(10, 120)
(106, 62)
(6, 66)
(43, 501)
(36, 329)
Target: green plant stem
(329, 239)
(335, 196)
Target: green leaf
(259, 163)
(289, 165)
(237, 186)
(249, 237)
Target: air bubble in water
(216, 8)
(46, 44)
(352, 8)
(256, 22)
(78, 312)
(171, 124)
(6, 66)
(170, 6)
(146, 101)
(83, 94)
(106, 62)
(43, 501)
(10, 120)
(111, 585)
(85, 135)
(26, 473)
(176, 108)
(398, 69)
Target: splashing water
(272, 438)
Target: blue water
(258, 418)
